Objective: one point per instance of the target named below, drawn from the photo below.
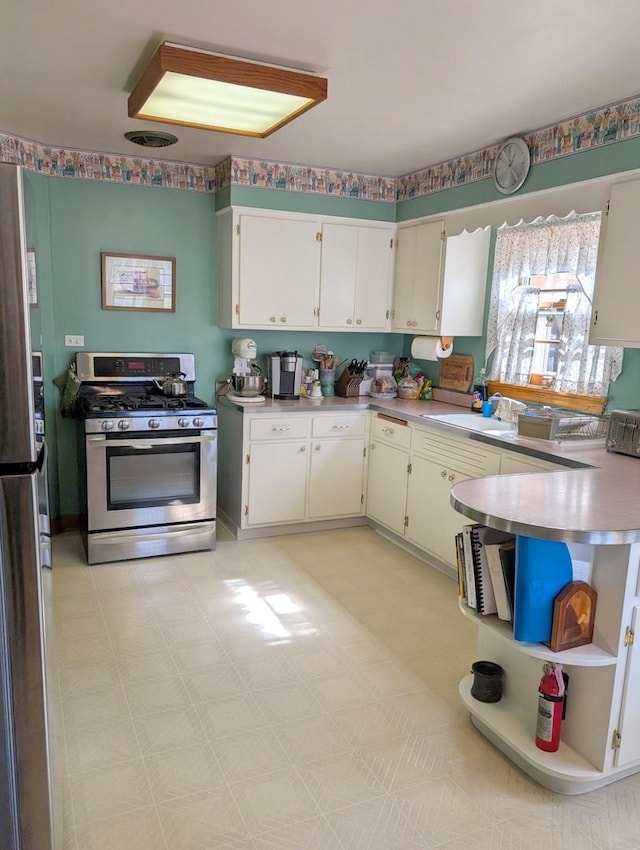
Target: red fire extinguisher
(551, 693)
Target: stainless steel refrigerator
(29, 736)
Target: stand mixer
(247, 382)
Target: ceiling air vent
(151, 138)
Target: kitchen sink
(475, 422)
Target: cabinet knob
(283, 319)
(443, 474)
(272, 318)
(349, 321)
(302, 449)
(452, 477)
(414, 324)
(408, 324)
(358, 321)
(316, 448)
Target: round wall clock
(512, 164)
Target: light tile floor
(293, 693)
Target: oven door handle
(100, 442)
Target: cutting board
(456, 372)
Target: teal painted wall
(70, 222)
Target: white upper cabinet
(616, 303)
(417, 279)
(440, 282)
(295, 271)
(268, 270)
(355, 276)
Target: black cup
(487, 681)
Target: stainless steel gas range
(150, 459)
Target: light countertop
(596, 499)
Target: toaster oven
(623, 433)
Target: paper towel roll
(430, 348)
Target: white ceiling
(411, 83)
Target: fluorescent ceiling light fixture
(197, 88)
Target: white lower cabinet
(387, 486)
(411, 471)
(293, 468)
(276, 482)
(432, 522)
(335, 478)
(388, 470)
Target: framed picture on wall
(31, 277)
(138, 282)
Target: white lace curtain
(548, 246)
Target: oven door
(140, 480)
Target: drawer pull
(340, 427)
(387, 430)
(279, 428)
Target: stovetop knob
(123, 425)
(198, 422)
(183, 422)
(107, 425)
(154, 423)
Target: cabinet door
(433, 523)
(278, 271)
(355, 276)
(373, 278)
(338, 265)
(466, 262)
(277, 482)
(335, 478)
(616, 303)
(417, 278)
(629, 726)
(387, 485)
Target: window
(540, 311)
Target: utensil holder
(327, 381)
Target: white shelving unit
(600, 734)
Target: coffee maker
(284, 373)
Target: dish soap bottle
(480, 390)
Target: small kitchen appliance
(247, 383)
(149, 460)
(623, 433)
(284, 373)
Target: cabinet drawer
(338, 426)
(466, 455)
(282, 428)
(390, 430)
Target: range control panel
(109, 366)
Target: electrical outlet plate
(74, 340)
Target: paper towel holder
(427, 347)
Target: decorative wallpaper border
(603, 126)
(111, 168)
(310, 179)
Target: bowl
(248, 386)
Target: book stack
(486, 562)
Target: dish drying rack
(561, 425)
